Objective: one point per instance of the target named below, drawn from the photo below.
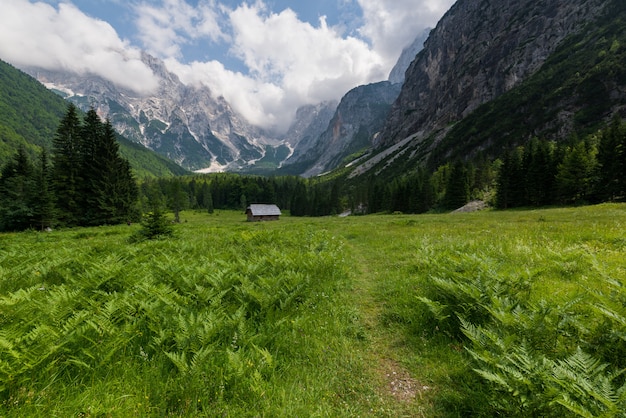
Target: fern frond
(436, 308)
(179, 360)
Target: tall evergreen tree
(207, 198)
(510, 189)
(612, 161)
(299, 201)
(539, 171)
(66, 160)
(17, 192)
(93, 169)
(576, 173)
(43, 204)
(457, 187)
(113, 188)
(178, 198)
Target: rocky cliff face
(311, 121)
(359, 116)
(325, 134)
(185, 123)
(396, 76)
(479, 50)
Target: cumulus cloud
(165, 27)
(285, 61)
(393, 24)
(39, 35)
(291, 63)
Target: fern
(586, 386)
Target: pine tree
(207, 198)
(575, 177)
(539, 169)
(17, 192)
(154, 222)
(92, 170)
(612, 161)
(510, 189)
(299, 201)
(109, 191)
(457, 187)
(178, 199)
(66, 167)
(43, 205)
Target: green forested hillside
(575, 92)
(568, 117)
(30, 114)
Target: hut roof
(264, 210)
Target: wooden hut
(258, 213)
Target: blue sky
(266, 57)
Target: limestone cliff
(478, 51)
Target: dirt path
(403, 392)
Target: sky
(265, 57)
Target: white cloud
(286, 62)
(290, 62)
(393, 24)
(164, 28)
(38, 35)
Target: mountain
(186, 124)
(359, 116)
(396, 76)
(190, 126)
(311, 121)
(492, 75)
(30, 115)
(355, 122)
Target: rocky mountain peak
(479, 50)
(396, 76)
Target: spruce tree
(575, 176)
(457, 187)
(17, 192)
(299, 200)
(154, 223)
(611, 160)
(207, 198)
(510, 188)
(93, 174)
(66, 160)
(43, 204)
(113, 188)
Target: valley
(317, 316)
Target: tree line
(589, 170)
(540, 173)
(85, 181)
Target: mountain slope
(30, 115)
(576, 91)
(396, 76)
(478, 51)
(359, 116)
(184, 123)
(354, 125)
(549, 70)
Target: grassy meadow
(513, 313)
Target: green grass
(301, 317)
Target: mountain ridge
(30, 114)
(451, 77)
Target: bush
(154, 225)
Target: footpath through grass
(383, 316)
